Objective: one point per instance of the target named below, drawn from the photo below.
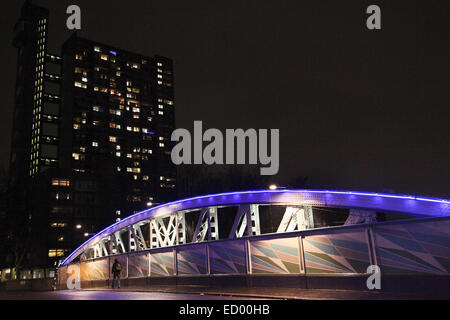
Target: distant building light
(113, 52)
(273, 187)
(78, 226)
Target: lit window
(104, 57)
(56, 252)
(112, 139)
(95, 144)
(58, 224)
(80, 85)
(61, 182)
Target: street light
(275, 187)
(149, 204)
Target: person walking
(116, 269)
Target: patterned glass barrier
(62, 276)
(161, 264)
(275, 256)
(192, 260)
(95, 270)
(413, 248)
(123, 260)
(419, 247)
(138, 264)
(345, 252)
(228, 257)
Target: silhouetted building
(91, 140)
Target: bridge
(284, 238)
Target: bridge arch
(166, 223)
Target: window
(80, 85)
(95, 144)
(58, 225)
(56, 252)
(61, 182)
(112, 139)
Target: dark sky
(356, 109)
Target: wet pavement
(109, 295)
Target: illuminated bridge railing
(406, 247)
(237, 215)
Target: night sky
(357, 109)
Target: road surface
(108, 295)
